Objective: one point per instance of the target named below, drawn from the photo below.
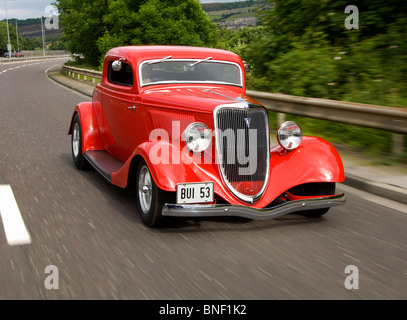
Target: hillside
(218, 6)
(234, 15)
(31, 28)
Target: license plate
(198, 192)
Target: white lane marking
(46, 71)
(14, 227)
(30, 64)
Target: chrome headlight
(289, 135)
(197, 136)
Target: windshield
(190, 71)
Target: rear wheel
(315, 189)
(150, 198)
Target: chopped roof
(140, 53)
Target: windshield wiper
(161, 60)
(199, 61)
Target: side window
(123, 77)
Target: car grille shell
(242, 148)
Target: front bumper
(210, 210)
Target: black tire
(76, 144)
(317, 189)
(150, 198)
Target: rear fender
(90, 132)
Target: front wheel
(150, 198)
(317, 189)
(76, 144)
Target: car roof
(137, 54)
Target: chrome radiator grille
(242, 149)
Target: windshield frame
(189, 62)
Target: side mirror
(117, 65)
(246, 67)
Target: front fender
(315, 160)
(90, 132)
(169, 164)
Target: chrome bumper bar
(210, 210)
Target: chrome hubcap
(145, 189)
(76, 140)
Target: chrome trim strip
(210, 210)
(240, 85)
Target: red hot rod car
(176, 121)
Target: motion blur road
(91, 232)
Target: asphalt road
(90, 231)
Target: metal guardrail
(378, 117)
(78, 72)
(389, 119)
(8, 60)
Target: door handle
(131, 108)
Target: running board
(103, 162)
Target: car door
(122, 111)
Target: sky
(24, 9)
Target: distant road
(36, 54)
(88, 232)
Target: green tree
(168, 22)
(296, 18)
(375, 54)
(92, 27)
(83, 26)
(238, 40)
(3, 36)
(34, 43)
(57, 45)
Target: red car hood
(202, 99)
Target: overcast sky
(24, 9)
